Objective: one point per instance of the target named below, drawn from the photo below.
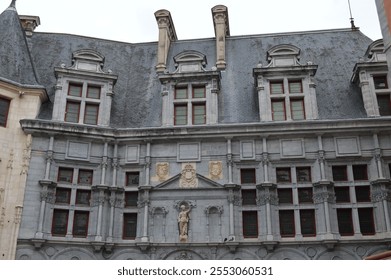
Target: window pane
(283, 175)
(181, 93)
(249, 197)
(363, 193)
(285, 196)
(63, 195)
(180, 117)
(198, 92)
(130, 226)
(360, 172)
(342, 194)
(295, 87)
(287, 223)
(72, 112)
(85, 177)
(91, 114)
(4, 108)
(250, 224)
(247, 176)
(384, 103)
(367, 226)
(297, 109)
(340, 173)
(93, 92)
(277, 87)
(75, 90)
(132, 178)
(345, 222)
(380, 82)
(80, 223)
(199, 114)
(305, 195)
(83, 197)
(303, 174)
(60, 222)
(307, 222)
(131, 199)
(65, 175)
(278, 110)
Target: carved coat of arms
(188, 177)
(215, 170)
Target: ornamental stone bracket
(232, 246)
(143, 246)
(381, 190)
(270, 245)
(267, 193)
(97, 246)
(38, 243)
(324, 192)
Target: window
(367, 225)
(249, 197)
(247, 176)
(283, 175)
(250, 224)
(363, 193)
(282, 99)
(287, 223)
(307, 222)
(82, 100)
(345, 222)
(85, 177)
(83, 197)
(382, 95)
(129, 226)
(60, 222)
(4, 109)
(190, 108)
(305, 195)
(65, 175)
(132, 178)
(340, 173)
(80, 223)
(303, 174)
(131, 199)
(380, 82)
(342, 194)
(63, 195)
(360, 172)
(285, 196)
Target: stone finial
(221, 26)
(167, 35)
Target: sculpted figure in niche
(183, 223)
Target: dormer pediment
(88, 60)
(199, 182)
(283, 55)
(190, 61)
(375, 51)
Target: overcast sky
(134, 21)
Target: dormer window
(84, 91)
(371, 75)
(286, 88)
(190, 92)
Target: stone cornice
(261, 129)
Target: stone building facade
(273, 146)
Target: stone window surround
(6, 109)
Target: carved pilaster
(324, 192)
(267, 193)
(381, 190)
(143, 196)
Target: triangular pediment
(176, 182)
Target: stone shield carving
(215, 170)
(188, 177)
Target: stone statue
(183, 222)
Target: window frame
(342, 212)
(278, 178)
(67, 191)
(73, 102)
(62, 169)
(83, 227)
(336, 176)
(129, 173)
(283, 224)
(250, 224)
(132, 233)
(64, 226)
(366, 223)
(244, 176)
(304, 223)
(7, 103)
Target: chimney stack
(167, 35)
(221, 26)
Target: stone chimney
(167, 35)
(221, 25)
(29, 23)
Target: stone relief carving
(188, 177)
(215, 170)
(184, 256)
(162, 171)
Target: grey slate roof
(15, 61)
(137, 101)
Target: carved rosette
(188, 177)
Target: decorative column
(378, 156)
(233, 198)
(229, 161)
(113, 193)
(267, 198)
(321, 159)
(221, 26)
(144, 203)
(265, 161)
(104, 165)
(99, 200)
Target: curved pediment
(190, 61)
(283, 55)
